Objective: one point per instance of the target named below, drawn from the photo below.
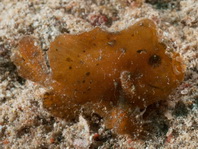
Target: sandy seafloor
(25, 124)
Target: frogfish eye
(154, 60)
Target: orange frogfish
(113, 74)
